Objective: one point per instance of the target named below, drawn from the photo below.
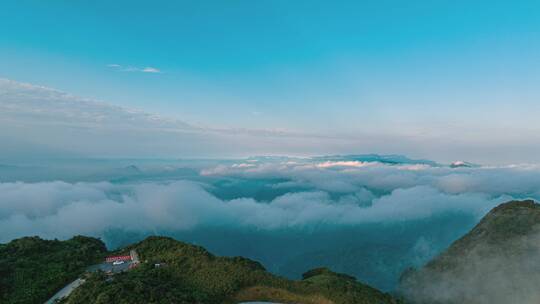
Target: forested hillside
(497, 262)
(32, 269)
(190, 274)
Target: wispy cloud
(130, 68)
(47, 117)
(52, 118)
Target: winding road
(64, 292)
(105, 267)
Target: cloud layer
(37, 121)
(301, 195)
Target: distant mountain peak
(390, 159)
(132, 169)
(462, 164)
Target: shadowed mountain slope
(498, 261)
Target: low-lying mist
(369, 216)
(497, 263)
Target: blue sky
(437, 69)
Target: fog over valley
(390, 212)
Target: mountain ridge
(498, 261)
(190, 274)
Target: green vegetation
(32, 269)
(190, 274)
(144, 285)
(504, 228)
(496, 262)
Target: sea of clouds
(302, 194)
(264, 197)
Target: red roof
(118, 258)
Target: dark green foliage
(505, 223)
(341, 288)
(190, 274)
(32, 269)
(143, 285)
(325, 271)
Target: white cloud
(518, 181)
(38, 120)
(150, 70)
(122, 68)
(29, 104)
(34, 119)
(59, 209)
(330, 164)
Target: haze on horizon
(440, 80)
